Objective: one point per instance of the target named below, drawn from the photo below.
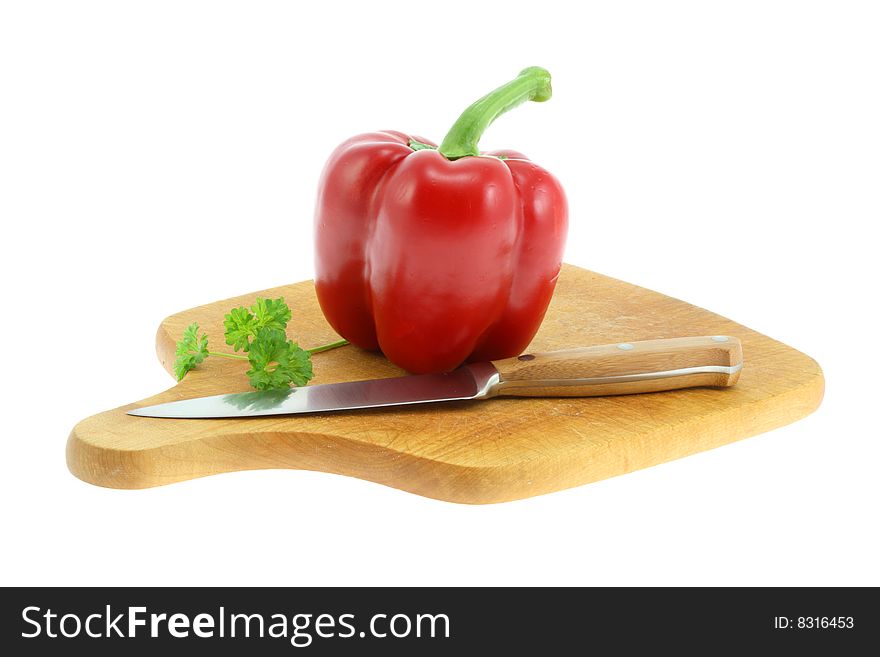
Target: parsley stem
(314, 350)
(225, 355)
(328, 346)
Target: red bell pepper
(438, 255)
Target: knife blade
(612, 369)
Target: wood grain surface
(479, 452)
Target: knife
(614, 369)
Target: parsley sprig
(192, 349)
(260, 332)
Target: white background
(156, 156)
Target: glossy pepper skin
(438, 255)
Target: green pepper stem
(463, 138)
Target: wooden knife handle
(623, 368)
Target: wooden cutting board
(478, 452)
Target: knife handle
(622, 369)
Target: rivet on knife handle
(622, 368)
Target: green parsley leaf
(276, 362)
(271, 313)
(192, 349)
(240, 326)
